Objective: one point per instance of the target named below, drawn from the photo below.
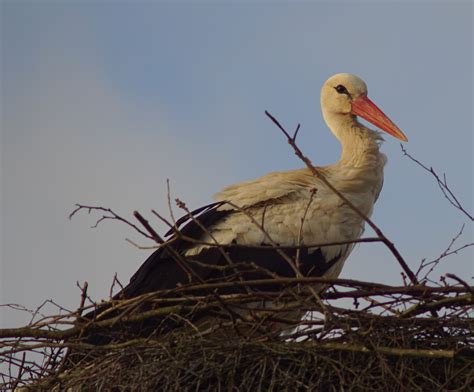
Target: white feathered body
(279, 201)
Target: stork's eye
(341, 89)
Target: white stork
(277, 202)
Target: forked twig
(442, 184)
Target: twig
(176, 256)
(442, 184)
(83, 298)
(364, 217)
(461, 281)
(447, 252)
(112, 216)
(420, 308)
(21, 368)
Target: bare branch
(447, 252)
(321, 177)
(442, 184)
(112, 216)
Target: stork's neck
(360, 145)
(360, 169)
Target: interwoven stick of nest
(386, 336)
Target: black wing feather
(161, 271)
(207, 212)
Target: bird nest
(206, 336)
(356, 335)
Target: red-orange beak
(366, 109)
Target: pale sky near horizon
(101, 102)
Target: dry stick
(52, 358)
(76, 330)
(420, 308)
(413, 291)
(156, 296)
(448, 194)
(244, 246)
(142, 247)
(83, 298)
(165, 221)
(364, 288)
(38, 311)
(168, 197)
(20, 372)
(447, 252)
(115, 281)
(113, 216)
(385, 240)
(182, 263)
(461, 281)
(78, 312)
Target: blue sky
(103, 101)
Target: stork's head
(344, 96)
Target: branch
(387, 350)
(447, 252)
(112, 216)
(464, 300)
(442, 183)
(320, 176)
